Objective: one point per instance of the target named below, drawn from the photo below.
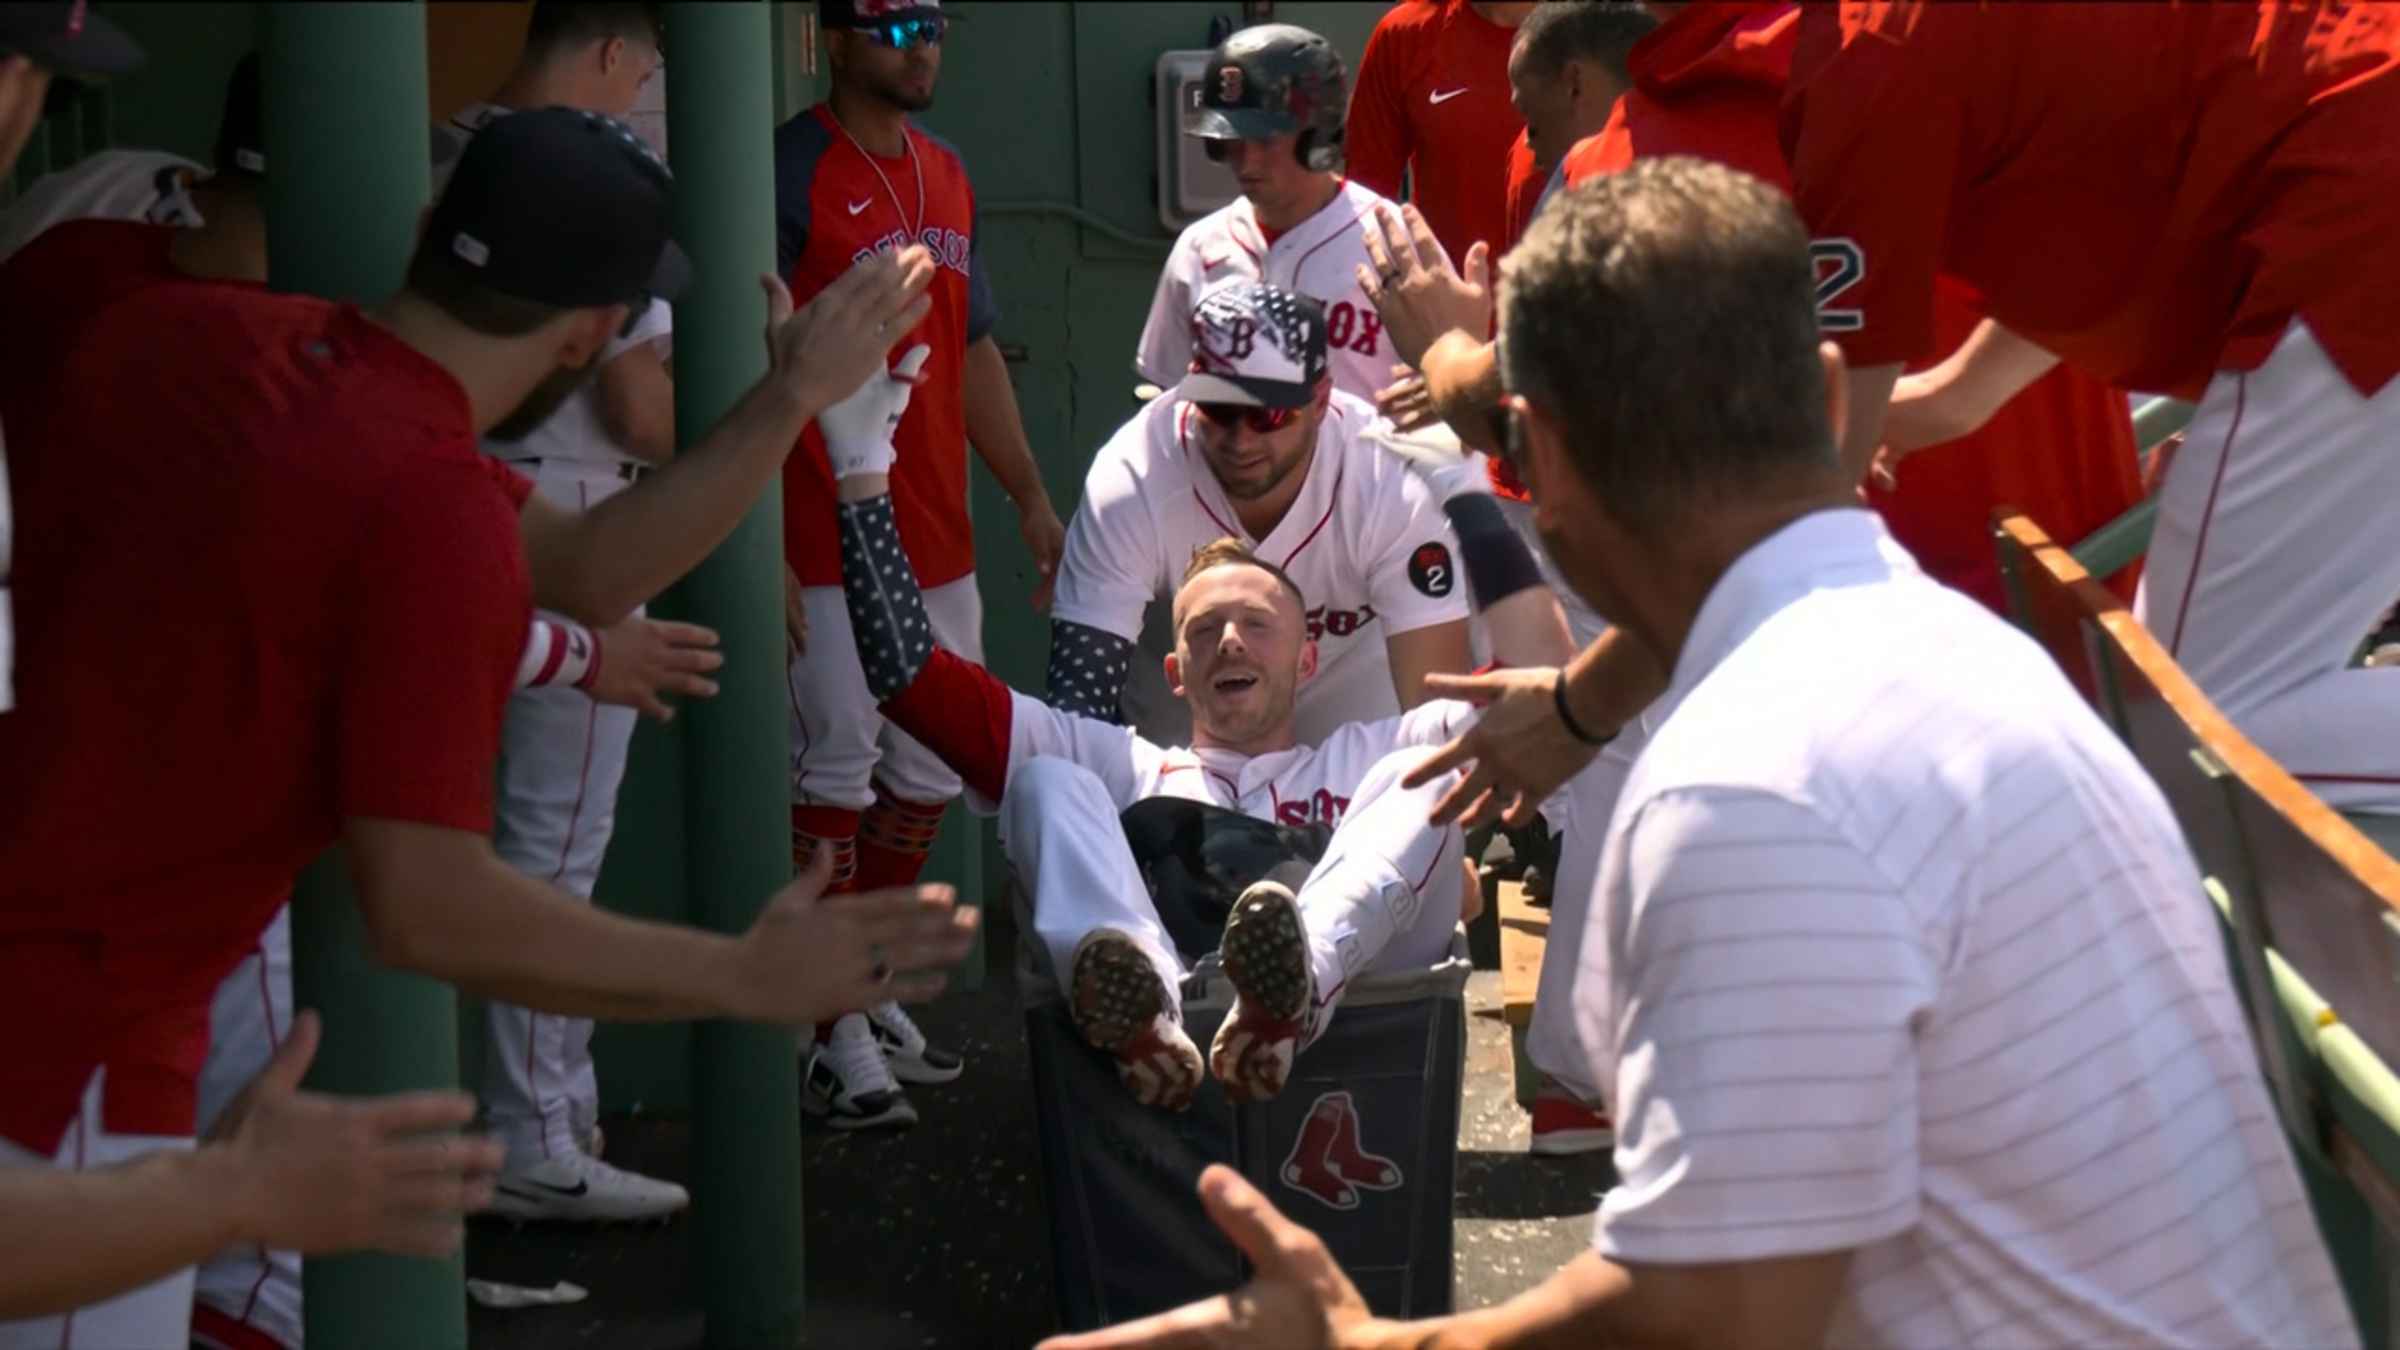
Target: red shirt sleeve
(1376, 142)
(962, 713)
(1871, 128)
(440, 602)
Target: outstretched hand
(812, 957)
(320, 1174)
(1419, 296)
(825, 349)
(1299, 1299)
(1514, 756)
(859, 429)
(642, 661)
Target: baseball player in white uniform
(1387, 890)
(1272, 107)
(1255, 445)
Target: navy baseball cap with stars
(562, 207)
(1256, 345)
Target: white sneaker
(849, 1083)
(912, 1059)
(576, 1187)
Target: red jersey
(1432, 98)
(2153, 191)
(1525, 184)
(278, 589)
(834, 204)
(1709, 82)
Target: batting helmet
(1272, 79)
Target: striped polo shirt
(1906, 957)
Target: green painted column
(745, 1079)
(345, 104)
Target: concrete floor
(937, 1236)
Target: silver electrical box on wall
(1190, 185)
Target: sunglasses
(903, 34)
(1261, 420)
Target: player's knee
(1043, 784)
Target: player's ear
(1308, 661)
(612, 53)
(1175, 674)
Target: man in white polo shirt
(1916, 1026)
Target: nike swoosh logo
(578, 1189)
(1445, 95)
(856, 207)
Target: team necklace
(916, 232)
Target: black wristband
(1558, 695)
(1497, 561)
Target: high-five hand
(859, 429)
(811, 957)
(1415, 290)
(845, 333)
(642, 660)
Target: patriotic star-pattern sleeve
(1088, 668)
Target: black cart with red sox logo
(1361, 1145)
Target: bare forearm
(1420, 652)
(599, 565)
(1529, 629)
(76, 1238)
(442, 904)
(1462, 372)
(1568, 1311)
(995, 427)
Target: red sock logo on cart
(1328, 1164)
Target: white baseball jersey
(1365, 540)
(575, 432)
(1318, 258)
(146, 185)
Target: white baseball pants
(841, 746)
(1384, 897)
(157, 1316)
(562, 759)
(257, 1288)
(2274, 556)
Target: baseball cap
(1256, 345)
(241, 128)
(868, 13)
(562, 207)
(67, 39)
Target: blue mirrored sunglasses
(903, 34)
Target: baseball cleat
(912, 1058)
(575, 1187)
(1563, 1126)
(1119, 1003)
(849, 1084)
(1265, 951)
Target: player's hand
(1415, 290)
(643, 661)
(859, 429)
(319, 1174)
(1433, 453)
(1298, 1300)
(828, 347)
(1406, 403)
(1045, 538)
(1515, 755)
(811, 957)
(795, 612)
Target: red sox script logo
(1327, 1163)
(1321, 806)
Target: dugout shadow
(1493, 1184)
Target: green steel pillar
(745, 1081)
(345, 104)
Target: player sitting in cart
(1387, 891)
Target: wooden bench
(2311, 908)
(1524, 931)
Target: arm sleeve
(1767, 980)
(435, 633)
(983, 308)
(1088, 668)
(1413, 577)
(1376, 143)
(799, 144)
(1865, 111)
(1165, 353)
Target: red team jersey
(1525, 184)
(1432, 98)
(835, 204)
(2153, 191)
(279, 589)
(1710, 82)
